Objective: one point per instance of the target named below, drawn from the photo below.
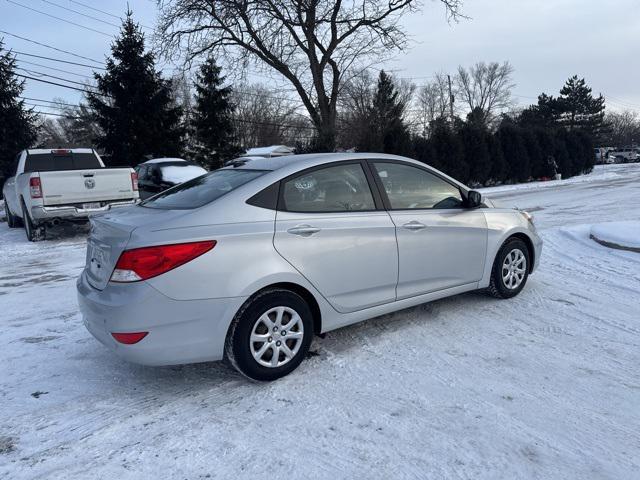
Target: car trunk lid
(109, 236)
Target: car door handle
(303, 230)
(414, 226)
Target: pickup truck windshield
(49, 162)
(202, 190)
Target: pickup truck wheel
(35, 233)
(12, 220)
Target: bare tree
(263, 118)
(487, 87)
(312, 44)
(432, 102)
(623, 128)
(354, 109)
(77, 127)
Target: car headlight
(527, 215)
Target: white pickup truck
(50, 186)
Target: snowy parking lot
(545, 385)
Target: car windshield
(202, 190)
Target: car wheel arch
(528, 242)
(304, 293)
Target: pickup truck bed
(51, 186)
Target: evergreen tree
(545, 168)
(448, 151)
(514, 152)
(474, 138)
(134, 106)
(17, 124)
(579, 109)
(561, 154)
(544, 114)
(423, 151)
(580, 148)
(498, 165)
(212, 117)
(535, 153)
(389, 134)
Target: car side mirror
(474, 199)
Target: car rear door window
(340, 188)
(409, 187)
(202, 190)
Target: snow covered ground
(546, 385)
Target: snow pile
(175, 174)
(272, 151)
(622, 235)
(165, 159)
(599, 173)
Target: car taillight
(147, 262)
(35, 187)
(129, 338)
(134, 181)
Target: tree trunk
(326, 141)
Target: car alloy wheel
(514, 269)
(270, 335)
(276, 337)
(510, 269)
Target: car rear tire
(510, 269)
(34, 232)
(12, 220)
(270, 335)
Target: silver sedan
(250, 261)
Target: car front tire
(510, 269)
(270, 335)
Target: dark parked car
(159, 174)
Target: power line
(273, 124)
(83, 90)
(62, 104)
(34, 72)
(42, 105)
(52, 68)
(57, 60)
(52, 48)
(104, 13)
(61, 19)
(620, 101)
(80, 13)
(56, 115)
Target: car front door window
(409, 187)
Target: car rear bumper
(74, 211)
(180, 331)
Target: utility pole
(451, 99)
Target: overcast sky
(545, 41)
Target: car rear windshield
(49, 162)
(202, 190)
